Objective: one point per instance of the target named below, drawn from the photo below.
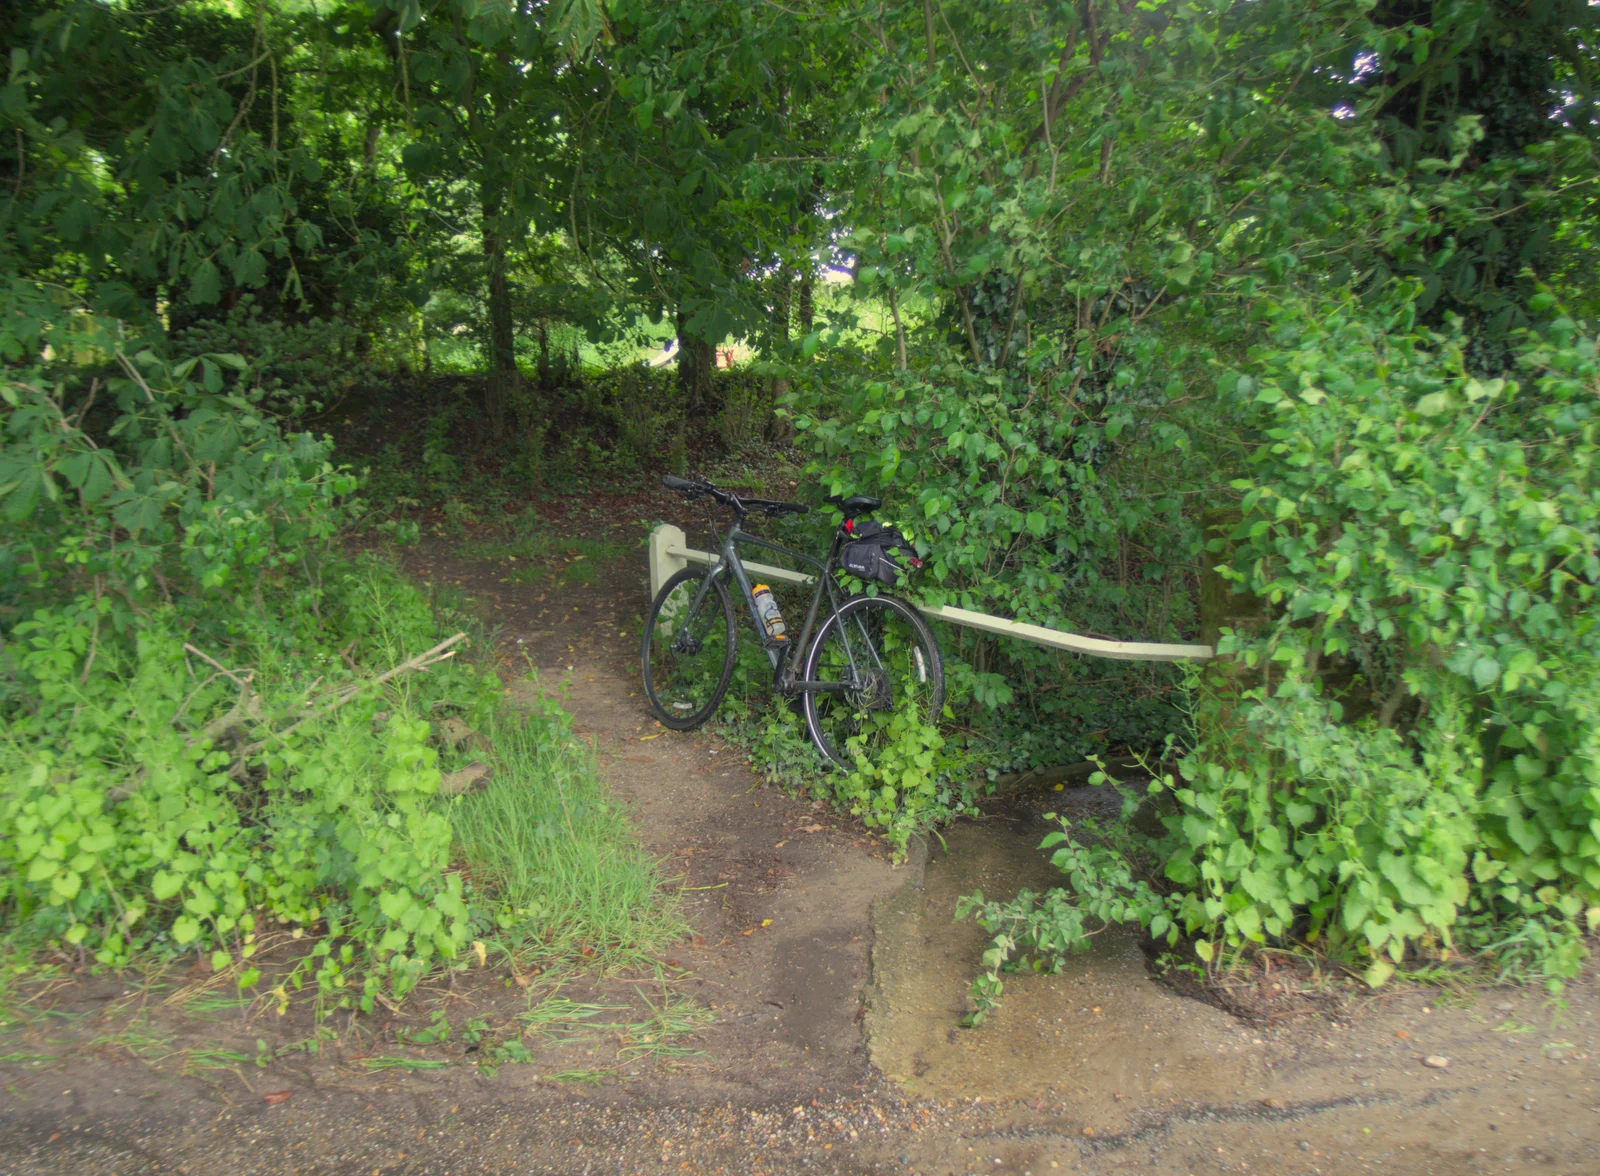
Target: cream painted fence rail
(670, 553)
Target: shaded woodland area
(1098, 295)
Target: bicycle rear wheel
(688, 652)
(884, 654)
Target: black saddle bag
(878, 553)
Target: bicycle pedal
(773, 644)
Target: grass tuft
(408, 1064)
(559, 855)
(582, 1077)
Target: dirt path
(794, 910)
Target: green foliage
(1011, 507)
(294, 367)
(196, 750)
(137, 826)
(1093, 198)
(914, 781)
(1418, 745)
(183, 486)
(1399, 761)
(1041, 931)
(1111, 263)
(917, 780)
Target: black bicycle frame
(783, 654)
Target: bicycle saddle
(857, 504)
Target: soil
(826, 983)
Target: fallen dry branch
(248, 708)
(421, 662)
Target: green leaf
(185, 931)
(395, 903)
(205, 284)
(24, 497)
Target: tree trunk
(779, 428)
(697, 359)
(805, 310)
(504, 381)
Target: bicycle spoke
(688, 653)
(886, 658)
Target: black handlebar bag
(878, 553)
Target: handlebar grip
(675, 483)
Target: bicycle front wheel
(688, 650)
(884, 655)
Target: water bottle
(767, 608)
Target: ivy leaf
(185, 931)
(165, 884)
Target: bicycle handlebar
(695, 487)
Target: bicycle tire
(673, 687)
(833, 720)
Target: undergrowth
(1394, 764)
(220, 732)
(920, 779)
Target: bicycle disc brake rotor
(689, 642)
(873, 691)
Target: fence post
(664, 540)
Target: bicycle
(873, 657)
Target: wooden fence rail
(670, 553)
